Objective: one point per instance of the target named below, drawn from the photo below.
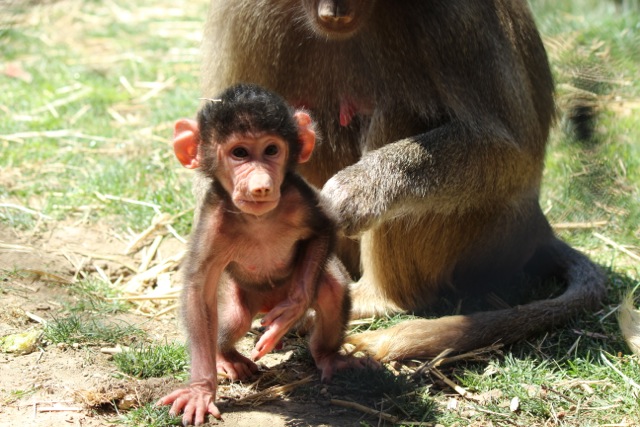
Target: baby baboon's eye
(271, 150)
(240, 152)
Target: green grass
(107, 109)
(89, 331)
(157, 360)
(149, 416)
(92, 295)
(91, 114)
(598, 181)
(582, 392)
(399, 395)
(9, 397)
(379, 322)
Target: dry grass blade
(475, 354)
(60, 102)
(151, 252)
(629, 321)
(381, 415)
(458, 389)
(167, 296)
(557, 393)
(106, 197)
(156, 89)
(579, 225)
(365, 410)
(60, 409)
(427, 366)
(161, 220)
(617, 246)
(121, 260)
(619, 372)
(165, 310)
(35, 318)
(55, 134)
(137, 282)
(46, 276)
(25, 210)
(272, 393)
(442, 358)
(7, 247)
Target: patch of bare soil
(71, 385)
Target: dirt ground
(67, 385)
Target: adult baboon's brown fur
(435, 116)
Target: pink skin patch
(348, 110)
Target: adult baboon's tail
(429, 337)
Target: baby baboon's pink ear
(306, 134)
(186, 136)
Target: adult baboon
(435, 116)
